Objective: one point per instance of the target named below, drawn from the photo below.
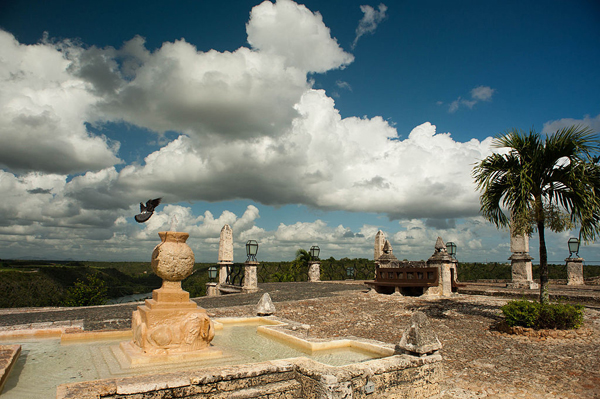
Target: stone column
(314, 271)
(250, 277)
(223, 267)
(575, 271)
(444, 262)
(211, 289)
(520, 263)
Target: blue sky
(306, 123)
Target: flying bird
(147, 210)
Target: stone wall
(398, 376)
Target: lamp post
(451, 248)
(314, 252)
(211, 286)
(574, 264)
(251, 250)
(573, 247)
(314, 265)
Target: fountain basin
(297, 370)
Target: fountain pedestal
(170, 327)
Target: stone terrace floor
(479, 362)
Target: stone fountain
(170, 326)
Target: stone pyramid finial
(439, 245)
(387, 247)
(419, 338)
(265, 306)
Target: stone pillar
(250, 277)
(223, 267)
(575, 271)
(520, 263)
(314, 271)
(444, 262)
(211, 289)
(225, 253)
(379, 243)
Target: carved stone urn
(173, 259)
(170, 324)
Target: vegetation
(92, 291)
(501, 271)
(331, 269)
(551, 182)
(543, 315)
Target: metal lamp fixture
(573, 246)
(451, 248)
(350, 272)
(251, 250)
(212, 273)
(314, 252)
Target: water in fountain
(45, 364)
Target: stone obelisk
(225, 253)
(379, 243)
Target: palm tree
(300, 264)
(551, 181)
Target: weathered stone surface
(519, 244)
(211, 289)
(446, 266)
(520, 261)
(387, 258)
(314, 271)
(265, 306)
(419, 337)
(575, 271)
(522, 276)
(379, 243)
(250, 277)
(226, 244)
(173, 259)
(8, 356)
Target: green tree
(92, 291)
(539, 180)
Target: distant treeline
(501, 271)
(76, 283)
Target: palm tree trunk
(544, 296)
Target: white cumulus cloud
(293, 32)
(44, 110)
